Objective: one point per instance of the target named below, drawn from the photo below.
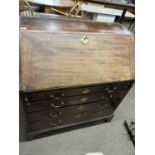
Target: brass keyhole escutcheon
(84, 39)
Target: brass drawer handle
(108, 90)
(27, 103)
(62, 94)
(55, 124)
(55, 115)
(115, 88)
(85, 91)
(57, 106)
(84, 99)
(111, 95)
(53, 96)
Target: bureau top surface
(59, 25)
(54, 55)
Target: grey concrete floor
(110, 138)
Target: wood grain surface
(59, 59)
(65, 24)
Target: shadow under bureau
(72, 71)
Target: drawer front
(70, 110)
(54, 104)
(67, 92)
(54, 122)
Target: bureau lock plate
(84, 39)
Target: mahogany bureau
(72, 71)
